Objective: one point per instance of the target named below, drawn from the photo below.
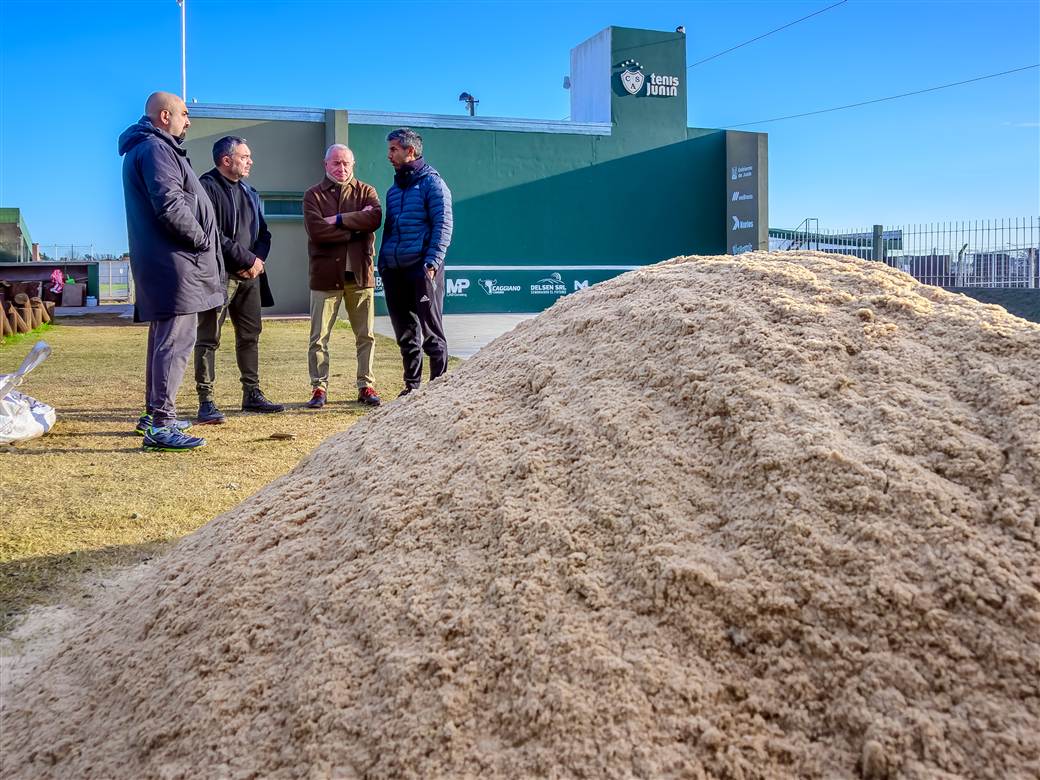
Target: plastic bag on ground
(22, 417)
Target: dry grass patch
(85, 497)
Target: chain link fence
(1000, 253)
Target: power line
(765, 35)
(890, 97)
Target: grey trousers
(243, 304)
(170, 342)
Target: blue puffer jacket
(418, 223)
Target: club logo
(632, 78)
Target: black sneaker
(209, 414)
(254, 401)
(406, 391)
(170, 440)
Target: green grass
(32, 336)
(114, 291)
(85, 497)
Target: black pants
(416, 305)
(244, 307)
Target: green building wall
(15, 241)
(541, 208)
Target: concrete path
(467, 333)
(110, 309)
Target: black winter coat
(237, 258)
(174, 246)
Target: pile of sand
(767, 516)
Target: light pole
(184, 65)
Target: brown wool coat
(332, 247)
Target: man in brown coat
(341, 215)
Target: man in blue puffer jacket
(416, 235)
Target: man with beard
(175, 258)
(245, 243)
(411, 258)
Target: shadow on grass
(127, 431)
(70, 451)
(66, 579)
(117, 418)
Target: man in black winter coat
(174, 255)
(245, 242)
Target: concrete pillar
(336, 130)
(879, 243)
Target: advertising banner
(509, 288)
(747, 212)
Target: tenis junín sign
(640, 84)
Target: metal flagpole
(184, 65)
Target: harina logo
(632, 76)
(742, 224)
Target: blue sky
(73, 75)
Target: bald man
(175, 258)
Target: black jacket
(174, 247)
(237, 258)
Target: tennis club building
(542, 208)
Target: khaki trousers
(361, 312)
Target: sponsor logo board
(492, 287)
(550, 285)
(456, 288)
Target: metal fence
(977, 253)
(71, 253)
(115, 282)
